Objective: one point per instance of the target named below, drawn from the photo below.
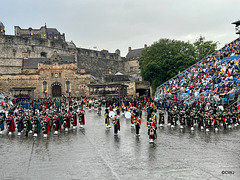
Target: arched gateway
(56, 89)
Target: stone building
(132, 63)
(41, 63)
(54, 77)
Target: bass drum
(127, 115)
(111, 114)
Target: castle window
(44, 86)
(43, 54)
(68, 86)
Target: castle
(41, 63)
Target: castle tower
(2, 29)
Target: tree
(166, 58)
(204, 48)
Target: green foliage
(166, 58)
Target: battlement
(104, 54)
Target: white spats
(151, 141)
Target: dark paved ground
(94, 153)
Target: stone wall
(78, 83)
(15, 46)
(100, 63)
(12, 66)
(42, 33)
(132, 66)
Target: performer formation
(45, 116)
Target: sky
(119, 24)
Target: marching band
(54, 115)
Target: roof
(236, 22)
(52, 30)
(135, 53)
(32, 63)
(103, 85)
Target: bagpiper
(137, 125)
(56, 123)
(66, 121)
(36, 126)
(116, 125)
(27, 124)
(151, 130)
(19, 124)
(161, 118)
(99, 109)
(45, 126)
(81, 116)
(74, 119)
(2, 119)
(10, 124)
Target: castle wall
(100, 63)
(132, 66)
(31, 32)
(12, 66)
(15, 46)
(44, 43)
(66, 72)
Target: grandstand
(215, 79)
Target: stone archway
(56, 89)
